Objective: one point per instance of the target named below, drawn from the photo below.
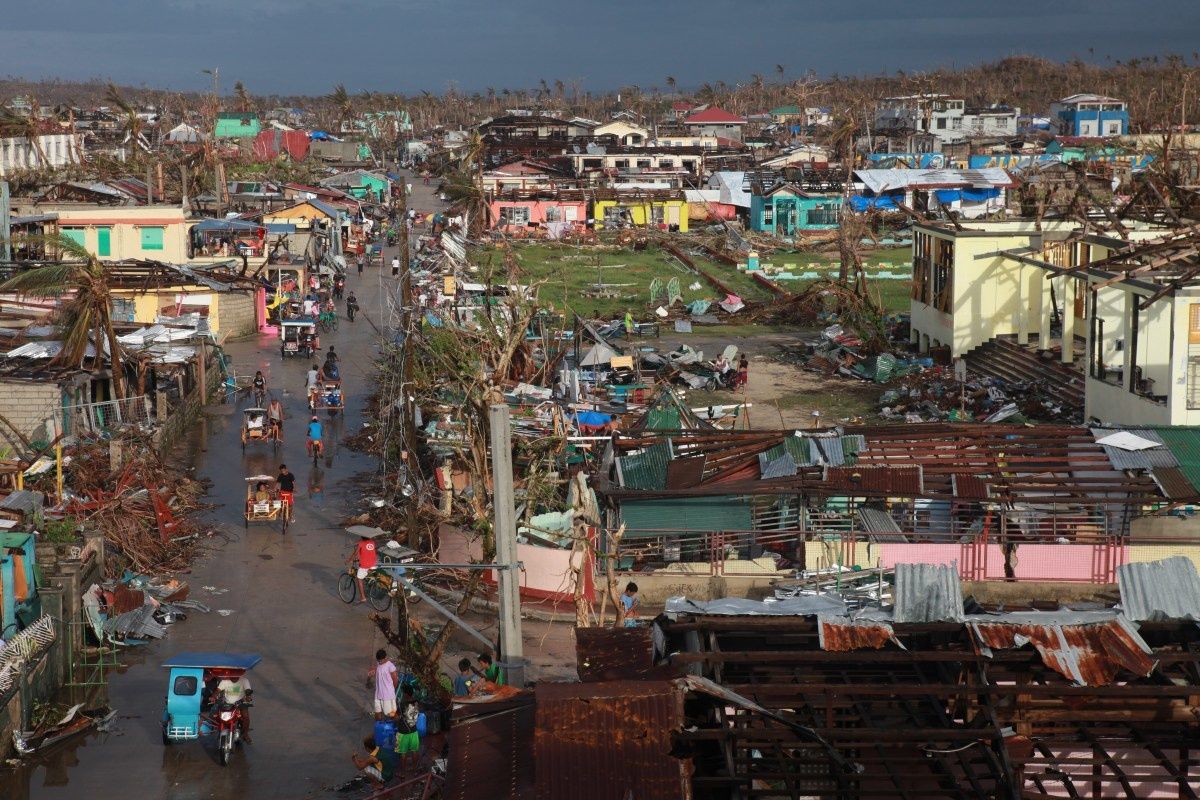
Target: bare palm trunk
(114, 356)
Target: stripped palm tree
(343, 106)
(244, 102)
(131, 121)
(29, 127)
(85, 318)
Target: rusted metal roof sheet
(1160, 590)
(902, 481)
(927, 593)
(609, 741)
(606, 654)
(842, 634)
(1173, 483)
(491, 751)
(647, 469)
(1089, 654)
(969, 487)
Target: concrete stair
(1001, 357)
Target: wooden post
(162, 193)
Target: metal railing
(107, 415)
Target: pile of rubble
(938, 394)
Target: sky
(308, 46)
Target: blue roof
(326, 208)
(226, 225)
(280, 227)
(210, 660)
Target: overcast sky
(307, 46)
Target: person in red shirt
(367, 558)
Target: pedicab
(328, 397)
(299, 336)
(271, 508)
(192, 708)
(256, 427)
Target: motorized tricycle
(196, 700)
(299, 337)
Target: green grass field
(569, 275)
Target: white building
(56, 150)
(994, 121)
(939, 114)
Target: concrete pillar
(1067, 293)
(924, 346)
(914, 336)
(1022, 305)
(1045, 309)
(1131, 304)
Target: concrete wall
(27, 405)
(125, 223)
(235, 314)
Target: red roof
(681, 106)
(714, 116)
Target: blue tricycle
(198, 702)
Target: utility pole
(5, 221)
(512, 652)
(408, 322)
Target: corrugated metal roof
(781, 467)
(1158, 590)
(25, 501)
(853, 445)
(826, 450)
(969, 487)
(842, 634)
(647, 469)
(874, 520)
(717, 513)
(927, 593)
(605, 654)
(1137, 459)
(1173, 483)
(1184, 443)
(491, 751)
(905, 481)
(609, 741)
(796, 446)
(1089, 655)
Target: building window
(942, 283)
(621, 163)
(553, 214)
(615, 215)
(152, 238)
(514, 215)
(941, 123)
(768, 215)
(666, 163)
(123, 309)
(643, 163)
(76, 235)
(920, 266)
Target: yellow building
(116, 233)
(641, 212)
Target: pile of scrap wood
(144, 507)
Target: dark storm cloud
(306, 46)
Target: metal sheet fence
(106, 415)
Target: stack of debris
(938, 394)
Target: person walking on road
(383, 674)
(395, 266)
(351, 306)
(360, 263)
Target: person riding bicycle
(351, 306)
(367, 558)
(330, 371)
(314, 434)
(260, 386)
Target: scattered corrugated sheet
(904, 481)
(24, 501)
(968, 487)
(927, 593)
(1090, 655)
(684, 473)
(491, 751)
(800, 606)
(842, 634)
(139, 624)
(1173, 483)
(1160, 590)
(647, 469)
(606, 654)
(782, 467)
(1137, 459)
(796, 446)
(826, 450)
(609, 741)
(853, 445)
(880, 524)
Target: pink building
(528, 215)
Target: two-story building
(1090, 115)
(937, 114)
(717, 122)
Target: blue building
(1090, 115)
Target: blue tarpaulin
(980, 195)
(885, 201)
(592, 418)
(948, 195)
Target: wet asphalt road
(311, 702)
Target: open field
(570, 276)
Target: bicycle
(380, 585)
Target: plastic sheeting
(803, 606)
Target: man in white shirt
(235, 692)
(395, 266)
